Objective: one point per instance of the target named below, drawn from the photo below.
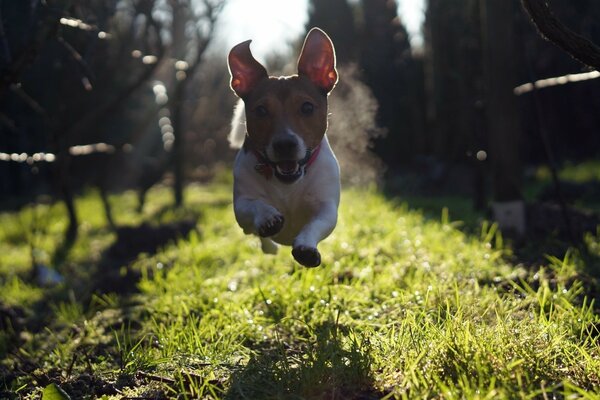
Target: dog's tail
(238, 126)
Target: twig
(213, 9)
(556, 32)
(31, 103)
(555, 81)
(78, 24)
(7, 122)
(155, 378)
(85, 69)
(100, 112)
(48, 26)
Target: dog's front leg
(320, 226)
(257, 217)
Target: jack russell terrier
(286, 184)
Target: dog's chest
(297, 204)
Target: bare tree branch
(113, 104)
(212, 10)
(48, 26)
(83, 66)
(556, 32)
(31, 103)
(203, 35)
(61, 137)
(7, 122)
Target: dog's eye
(261, 111)
(307, 108)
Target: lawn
(404, 306)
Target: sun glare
(273, 24)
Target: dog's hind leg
(268, 246)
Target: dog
(286, 184)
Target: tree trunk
(62, 176)
(178, 142)
(502, 120)
(107, 207)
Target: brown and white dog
(286, 178)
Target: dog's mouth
(286, 171)
(287, 168)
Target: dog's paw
(270, 226)
(307, 256)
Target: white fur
(309, 206)
(238, 126)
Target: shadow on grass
(333, 363)
(62, 251)
(113, 273)
(168, 212)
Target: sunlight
(272, 26)
(412, 13)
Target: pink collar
(265, 167)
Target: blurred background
(435, 99)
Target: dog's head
(286, 117)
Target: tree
(503, 123)
(75, 79)
(566, 108)
(393, 76)
(192, 29)
(335, 17)
(453, 78)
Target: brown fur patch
(282, 98)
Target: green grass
(587, 171)
(584, 175)
(404, 306)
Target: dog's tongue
(287, 167)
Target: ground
(180, 304)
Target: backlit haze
(273, 24)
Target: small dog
(286, 178)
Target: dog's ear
(317, 60)
(245, 71)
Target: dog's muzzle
(288, 171)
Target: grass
(587, 171)
(579, 183)
(404, 306)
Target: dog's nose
(285, 147)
